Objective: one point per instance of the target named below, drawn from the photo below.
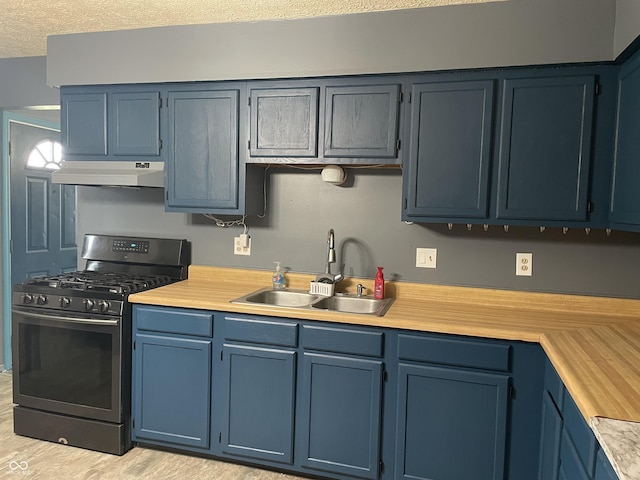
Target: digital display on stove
(131, 246)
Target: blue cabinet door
(340, 414)
(449, 160)
(545, 148)
(172, 390)
(625, 199)
(452, 424)
(284, 122)
(361, 121)
(549, 439)
(258, 404)
(83, 123)
(134, 123)
(604, 470)
(202, 160)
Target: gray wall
(366, 218)
(627, 25)
(516, 32)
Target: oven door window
(68, 367)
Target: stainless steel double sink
(301, 299)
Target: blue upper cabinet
(625, 199)
(284, 122)
(361, 121)
(325, 121)
(111, 123)
(83, 118)
(134, 123)
(450, 150)
(545, 148)
(202, 173)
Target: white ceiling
(25, 25)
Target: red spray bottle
(378, 286)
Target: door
(259, 386)
(43, 215)
(23, 133)
(172, 390)
(341, 403)
(545, 148)
(203, 164)
(452, 424)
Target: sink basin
(304, 300)
(279, 298)
(347, 304)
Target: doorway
(39, 218)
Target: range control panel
(130, 246)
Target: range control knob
(103, 306)
(41, 299)
(27, 298)
(88, 304)
(65, 302)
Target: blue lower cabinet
(604, 470)
(549, 440)
(172, 390)
(452, 424)
(339, 423)
(258, 386)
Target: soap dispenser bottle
(378, 286)
(277, 278)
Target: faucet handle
(360, 290)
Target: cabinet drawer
(342, 340)
(581, 435)
(174, 320)
(261, 330)
(447, 351)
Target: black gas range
(71, 341)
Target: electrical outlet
(426, 257)
(239, 249)
(524, 264)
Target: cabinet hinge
(589, 207)
(597, 85)
(248, 144)
(409, 99)
(221, 355)
(134, 344)
(159, 102)
(401, 97)
(220, 437)
(398, 144)
(10, 246)
(512, 392)
(160, 143)
(249, 100)
(133, 423)
(404, 203)
(385, 376)
(9, 149)
(381, 467)
(166, 195)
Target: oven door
(67, 363)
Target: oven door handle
(86, 321)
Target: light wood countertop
(593, 342)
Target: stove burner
(104, 282)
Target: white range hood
(113, 173)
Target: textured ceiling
(25, 24)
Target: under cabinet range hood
(110, 173)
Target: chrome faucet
(327, 276)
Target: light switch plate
(426, 257)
